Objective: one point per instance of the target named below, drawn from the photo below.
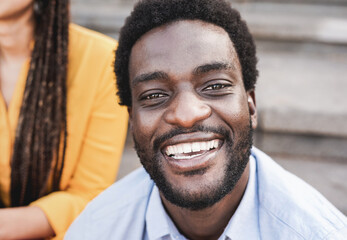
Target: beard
(237, 154)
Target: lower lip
(195, 163)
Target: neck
(208, 223)
(16, 35)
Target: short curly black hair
(149, 14)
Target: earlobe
(252, 107)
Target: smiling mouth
(187, 151)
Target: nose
(186, 110)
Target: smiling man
(187, 72)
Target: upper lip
(190, 137)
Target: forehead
(181, 46)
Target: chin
(198, 188)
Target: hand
(24, 223)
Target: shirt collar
(156, 218)
(243, 224)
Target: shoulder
(123, 195)
(90, 50)
(81, 35)
(292, 205)
(116, 210)
(91, 56)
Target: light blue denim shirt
(276, 205)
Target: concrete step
(301, 99)
(304, 83)
(105, 17)
(312, 2)
(275, 21)
(296, 22)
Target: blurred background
(302, 87)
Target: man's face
(191, 117)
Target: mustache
(197, 128)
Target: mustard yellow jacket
(96, 124)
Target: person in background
(61, 129)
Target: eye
(216, 86)
(153, 96)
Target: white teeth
(174, 148)
(187, 148)
(185, 157)
(204, 146)
(196, 147)
(215, 143)
(170, 149)
(208, 145)
(179, 148)
(191, 147)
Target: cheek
(145, 124)
(233, 111)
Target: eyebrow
(150, 76)
(214, 66)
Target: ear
(252, 107)
(130, 118)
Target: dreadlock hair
(149, 14)
(41, 133)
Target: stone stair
(302, 86)
(303, 76)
